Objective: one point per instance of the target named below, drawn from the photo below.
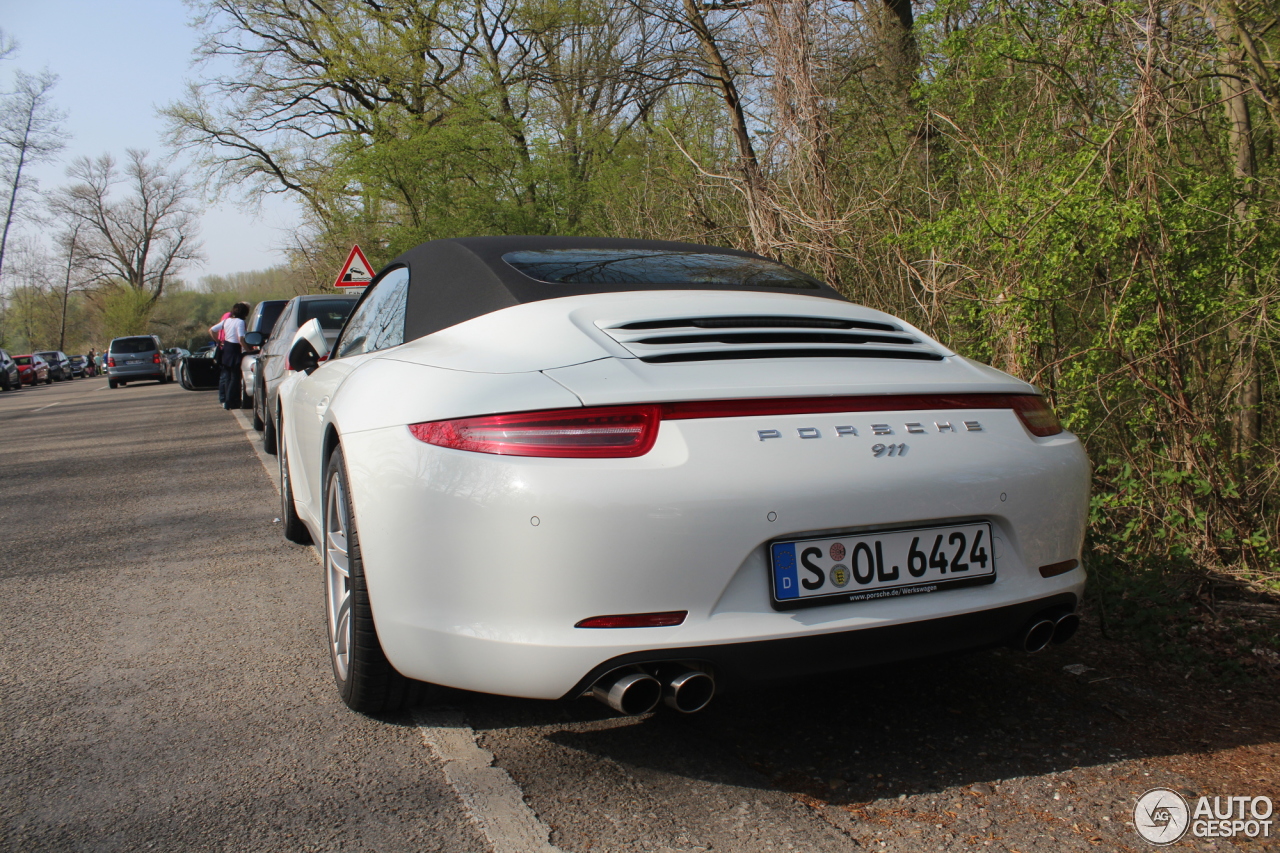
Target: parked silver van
(137, 357)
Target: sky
(119, 61)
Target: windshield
(127, 346)
(48, 356)
(23, 359)
(654, 266)
(331, 313)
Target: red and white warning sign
(356, 272)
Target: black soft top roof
(454, 280)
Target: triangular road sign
(356, 272)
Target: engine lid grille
(685, 339)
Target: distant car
(262, 319)
(175, 354)
(330, 311)
(136, 357)
(59, 364)
(10, 373)
(34, 370)
(79, 366)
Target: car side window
(286, 318)
(378, 322)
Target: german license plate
(888, 564)
(133, 361)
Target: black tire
(269, 438)
(48, 380)
(111, 383)
(258, 423)
(294, 529)
(366, 681)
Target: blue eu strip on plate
(784, 571)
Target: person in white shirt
(230, 331)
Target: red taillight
(155, 359)
(636, 620)
(623, 431)
(605, 431)
(111, 362)
(1036, 415)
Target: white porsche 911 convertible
(552, 467)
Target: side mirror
(254, 339)
(303, 356)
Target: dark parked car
(79, 367)
(59, 364)
(330, 311)
(199, 370)
(34, 370)
(10, 374)
(262, 319)
(136, 357)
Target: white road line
(490, 796)
(50, 406)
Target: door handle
(321, 406)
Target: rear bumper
(803, 657)
(139, 371)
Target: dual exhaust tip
(634, 692)
(1046, 629)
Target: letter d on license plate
(887, 564)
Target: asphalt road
(166, 687)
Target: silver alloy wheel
(337, 575)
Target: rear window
(331, 313)
(48, 356)
(267, 319)
(126, 346)
(654, 266)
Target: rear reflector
(1054, 569)
(623, 431)
(636, 620)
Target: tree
(143, 239)
(30, 132)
